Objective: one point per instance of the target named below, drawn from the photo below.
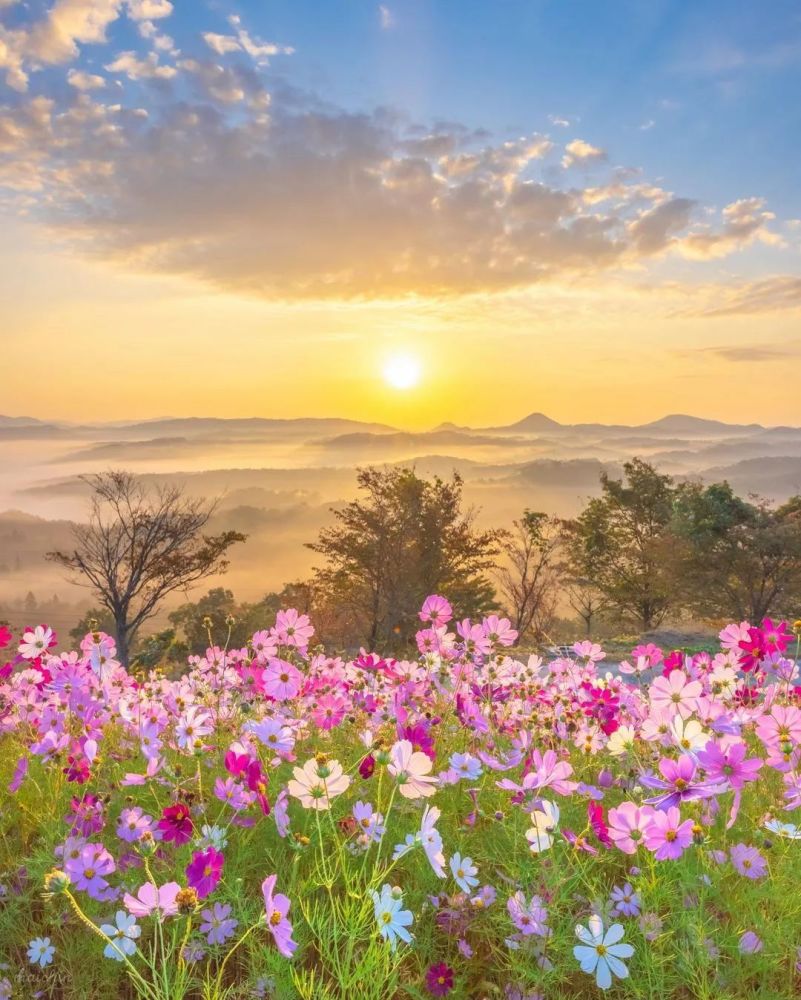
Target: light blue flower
(392, 920)
(464, 871)
(123, 935)
(466, 766)
(601, 953)
(40, 951)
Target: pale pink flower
(317, 783)
(675, 692)
(150, 899)
(411, 769)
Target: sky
(412, 212)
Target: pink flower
(748, 861)
(675, 693)
(728, 764)
(133, 823)
(151, 899)
(293, 629)
(281, 680)
(528, 917)
(436, 611)
(782, 725)
(330, 711)
(277, 910)
(204, 871)
(499, 630)
(667, 836)
(411, 769)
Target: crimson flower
(176, 824)
(439, 979)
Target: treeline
(647, 548)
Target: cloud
(775, 294)
(148, 10)
(386, 18)
(579, 152)
(243, 41)
(85, 81)
(754, 354)
(54, 38)
(233, 176)
(560, 121)
(136, 68)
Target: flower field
(280, 822)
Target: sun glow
(402, 371)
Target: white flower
(34, 643)
(432, 841)
(464, 872)
(544, 821)
(621, 741)
(193, 724)
(40, 951)
(123, 936)
(600, 952)
(788, 830)
(317, 783)
(689, 735)
(411, 769)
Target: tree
(737, 558)
(139, 546)
(403, 539)
(528, 580)
(620, 541)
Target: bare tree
(586, 600)
(140, 545)
(528, 581)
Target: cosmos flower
(204, 871)
(41, 952)
(217, 923)
(390, 916)
(123, 933)
(626, 901)
(439, 979)
(667, 836)
(176, 824)
(750, 943)
(748, 861)
(318, 783)
(151, 899)
(281, 680)
(601, 952)
(544, 821)
(411, 768)
(464, 872)
(277, 911)
(675, 693)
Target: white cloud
(582, 153)
(137, 68)
(85, 81)
(221, 43)
(55, 38)
(560, 121)
(148, 10)
(386, 17)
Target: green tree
(737, 558)
(619, 544)
(403, 538)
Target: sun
(402, 371)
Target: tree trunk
(123, 648)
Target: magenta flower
(748, 861)
(329, 711)
(667, 836)
(679, 783)
(176, 824)
(204, 871)
(277, 910)
(728, 765)
(627, 824)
